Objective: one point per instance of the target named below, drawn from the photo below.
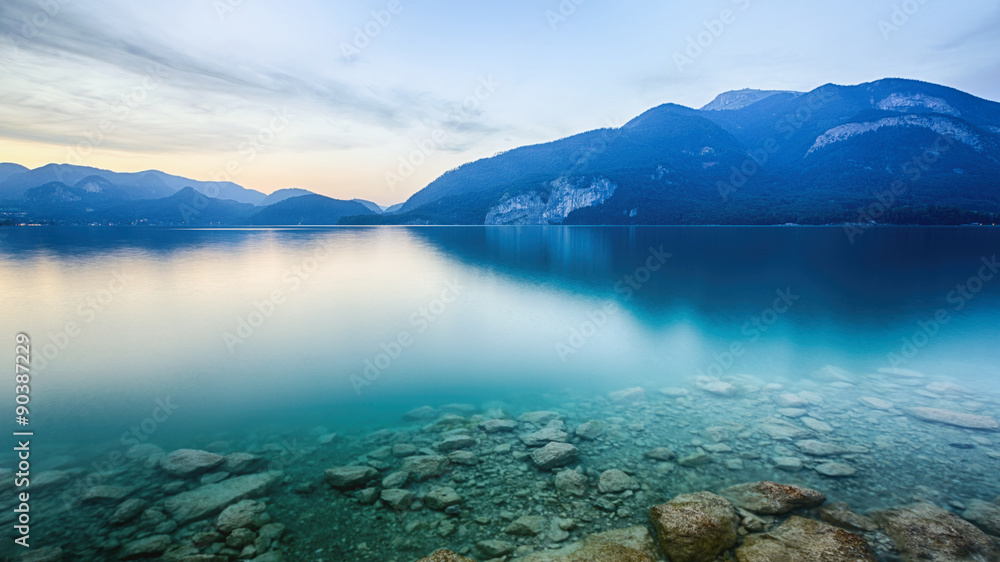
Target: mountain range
(890, 151)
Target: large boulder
(554, 455)
(213, 498)
(923, 531)
(771, 498)
(695, 527)
(189, 462)
(801, 539)
(349, 477)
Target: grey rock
(213, 498)
(422, 413)
(494, 548)
(628, 396)
(145, 548)
(397, 499)
(615, 481)
(526, 526)
(841, 515)
(571, 482)
(661, 454)
(467, 458)
(985, 515)
(699, 458)
(397, 479)
(128, 510)
(958, 419)
(440, 499)
(789, 464)
(247, 513)
(455, 442)
(590, 430)
(803, 539)
(242, 463)
(554, 455)
(425, 467)
(543, 436)
(926, 532)
(188, 462)
(349, 477)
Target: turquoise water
(255, 336)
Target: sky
(375, 99)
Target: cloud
(78, 68)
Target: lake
(737, 344)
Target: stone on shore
(772, 498)
(958, 419)
(695, 527)
(923, 531)
(801, 539)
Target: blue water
(250, 331)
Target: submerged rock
(985, 515)
(958, 419)
(495, 548)
(840, 515)
(661, 454)
(541, 417)
(781, 430)
(554, 455)
(698, 458)
(496, 426)
(454, 443)
(128, 510)
(526, 526)
(349, 477)
(247, 513)
(571, 482)
(425, 467)
(790, 464)
(242, 463)
(800, 539)
(422, 413)
(835, 470)
(615, 481)
(695, 527)
(397, 499)
(771, 498)
(543, 436)
(590, 430)
(148, 547)
(440, 499)
(628, 396)
(923, 531)
(213, 498)
(876, 403)
(188, 462)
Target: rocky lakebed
(892, 465)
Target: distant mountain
(377, 209)
(281, 195)
(308, 210)
(186, 207)
(394, 208)
(898, 151)
(151, 184)
(738, 99)
(7, 169)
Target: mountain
(151, 184)
(281, 195)
(186, 207)
(894, 150)
(308, 210)
(738, 99)
(7, 169)
(377, 209)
